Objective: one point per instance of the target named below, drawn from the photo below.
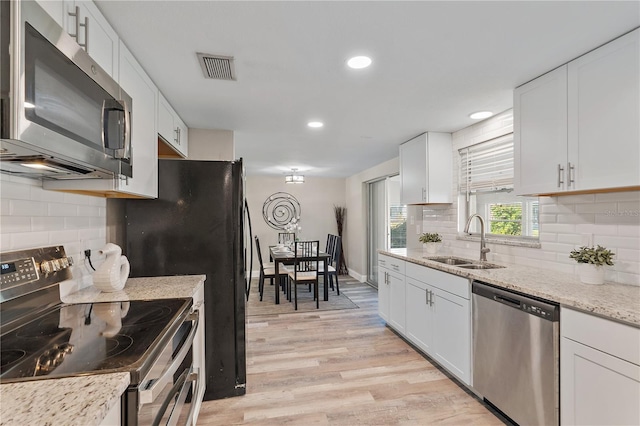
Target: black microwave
(62, 116)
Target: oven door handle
(149, 395)
(191, 381)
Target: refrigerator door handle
(248, 283)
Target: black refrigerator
(197, 226)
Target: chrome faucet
(483, 244)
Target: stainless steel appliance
(515, 354)
(62, 116)
(42, 338)
(197, 226)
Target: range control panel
(18, 272)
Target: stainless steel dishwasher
(516, 354)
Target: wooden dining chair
(333, 265)
(305, 269)
(286, 238)
(268, 271)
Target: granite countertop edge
(86, 400)
(618, 302)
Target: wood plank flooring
(341, 367)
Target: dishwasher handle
(507, 301)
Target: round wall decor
(280, 209)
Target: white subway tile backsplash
(631, 279)
(618, 242)
(556, 208)
(591, 228)
(15, 191)
(628, 255)
(25, 240)
(61, 209)
(565, 228)
(27, 208)
(619, 196)
(32, 217)
(46, 223)
(599, 208)
(15, 224)
(576, 218)
(575, 239)
(576, 199)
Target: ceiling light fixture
(359, 62)
(293, 177)
(480, 115)
(315, 124)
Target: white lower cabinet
(452, 333)
(439, 318)
(431, 309)
(419, 315)
(599, 371)
(391, 292)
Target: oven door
(165, 394)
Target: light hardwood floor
(341, 368)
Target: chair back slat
(286, 237)
(306, 256)
(337, 251)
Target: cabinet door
(183, 136)
(452, 333)
(604, 115)
(397, 302)
(55, 8)
(144, 139)
(413, 171)
(540, 134)
(419, 316)
(94, 33)
(597, 388)
(165, 120)
(383, 294)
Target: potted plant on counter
(591, 263)
(431, 242)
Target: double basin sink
(464, 263)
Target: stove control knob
(55, 264)
(45, 267)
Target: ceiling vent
(217, 67)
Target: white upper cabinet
(426, 169)
(577, 128)
(139, 86)
(171, 130)
(540, 133)
(55, 9)
(85, 23)
(604, 115)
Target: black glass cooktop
(87, 338)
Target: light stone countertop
(68, 401)
(85, 400)
(614, 301)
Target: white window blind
(487, 166)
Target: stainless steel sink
(450, 260)
(480, 266)
(461, 262)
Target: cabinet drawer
(442, 280)
(620, 340)
(391, 263)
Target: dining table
(281, 256)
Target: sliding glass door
(386, 224)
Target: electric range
(43, 338)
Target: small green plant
(596, 256)
(430, 238)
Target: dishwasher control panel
(533, 306)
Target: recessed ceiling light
(315, 124)
(358, 62)
(480, 115)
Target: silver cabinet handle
(424, 194)
(430, 298)
(149, 394)
(76, 35)
(177, 132)
(570, 173)
(426, 296)
(560, 173)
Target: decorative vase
(590, 273)
(113, 273)
(431, 248)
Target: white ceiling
(433, 64)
